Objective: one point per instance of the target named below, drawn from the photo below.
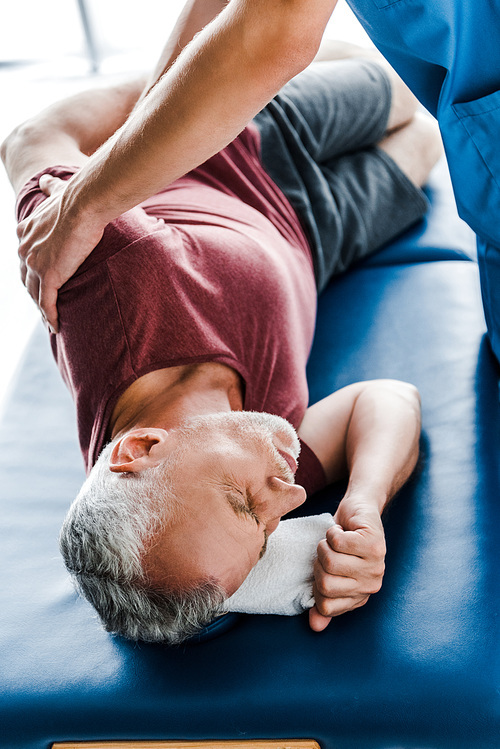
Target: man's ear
(138, 450)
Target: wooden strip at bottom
(213, 744)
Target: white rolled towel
(282, 581)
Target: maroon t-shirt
(215, 268)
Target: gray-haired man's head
(157, 549)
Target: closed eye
(237, 502)
(240, 505)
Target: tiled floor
(129, 37)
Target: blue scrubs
(448, 53)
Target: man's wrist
(365, 500)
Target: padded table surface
(418, 666)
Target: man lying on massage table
(184, 338)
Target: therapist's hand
(54, 242)
(351, 562)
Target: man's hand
(350, 564)
(52, 247)
(375, 440)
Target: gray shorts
(318, 139)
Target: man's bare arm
(222, 78)
(370, 432)
(68, 131)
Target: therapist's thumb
(48, 183)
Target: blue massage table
(418, 667)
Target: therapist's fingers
(47, 302)
(23, 269)
(49, 184)
(32, 283)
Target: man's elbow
(410, 393)
(19, 139)
(4, 147)
(20, 151)
(406, 392)
(8, 148)
(410, 396)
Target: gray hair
(103, 540)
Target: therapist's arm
(224, 76)
(195, 15)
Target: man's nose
(287, 496)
